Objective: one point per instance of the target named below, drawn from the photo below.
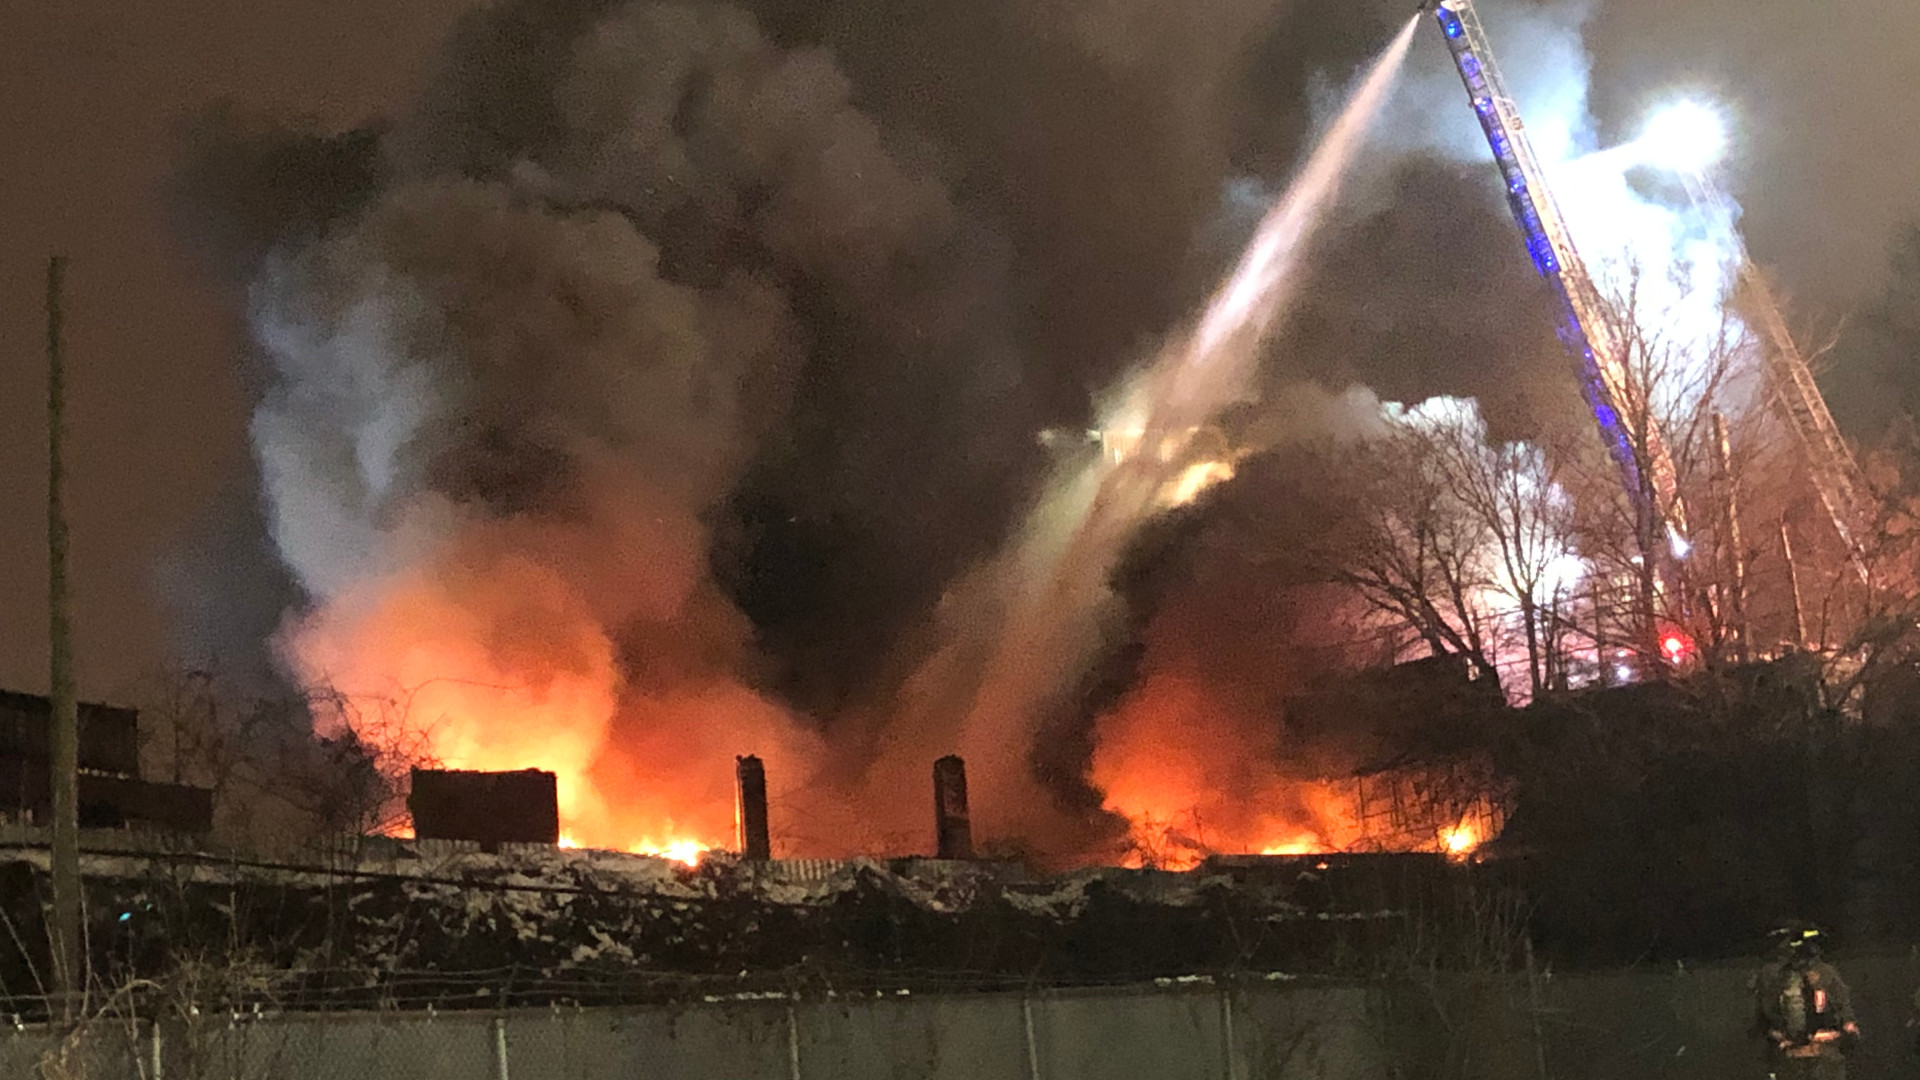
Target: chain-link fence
(1186, 1032)
(1676, 1024)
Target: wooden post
(1603, 664)
(69, 950)
(1793, 581)
(1736, 558)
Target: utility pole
(69, 964)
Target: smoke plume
(1033, 619)
(663, 386)
(1424, 288)
(511, 397)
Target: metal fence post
(154, 1051)
(793, 1043)
(1033, 1048)
(500, 1048)
(1226, 1032)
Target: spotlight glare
(1685, 136)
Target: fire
(1195, 479)
(689, 852)
(495, 662)
(1459, 841)
(685, 851)
(1192, 780)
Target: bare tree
(1404, 547)
(1462, 543)
(1664, 555)
(276, 782)
(1513, 495)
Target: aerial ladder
(1586, 325)
(1592, 335)
(1584, 321)
(1836, 475)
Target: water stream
(1023, 629)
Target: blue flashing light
(1470, 64)
(125, 916)
(1449, 22)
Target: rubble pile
(422, 924)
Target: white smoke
(1639, 231)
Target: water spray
(1686, 136)
(1045, 599)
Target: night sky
(96, 96)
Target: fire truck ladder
(1586, 324)
(1837, 477)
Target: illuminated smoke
(1026, 625)
(1194, 755)
(1635, 225)
(494, 435)
(509, 395)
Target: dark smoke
(1429, 294)
(727, 330)
(244, 185)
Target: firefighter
(1803, 1010)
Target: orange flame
(1193, 780)
(689, 852)
(1461, 840)
(485, 659)
(508, 667)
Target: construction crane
(1586, 325)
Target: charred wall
(488, 807)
